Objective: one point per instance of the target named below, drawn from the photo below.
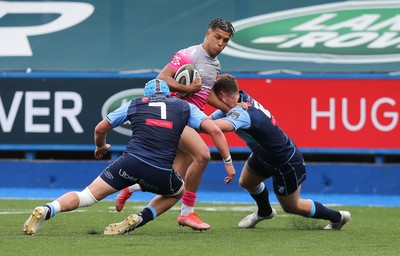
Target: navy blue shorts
(286, 178)
(128, 170)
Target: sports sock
(188, 200)
(261, 196)
(54, 207)
(147, 214)
(134, 188)
(319, 211)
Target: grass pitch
(372, 231)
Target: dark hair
(222, 24)
(227, 84)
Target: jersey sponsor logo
(159, 123)
(14, 40)
(117, 100)
(343, 32)
(176, 61)
(234, 114)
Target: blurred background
(329, 71)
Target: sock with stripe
(261, 196)
(319, 211)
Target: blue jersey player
(193, 154)
(157, 123)
(273, 155)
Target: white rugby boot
(32, 224)
(123, 227)
(346, 217)
(250, 221)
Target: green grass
(372, 231)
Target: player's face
(216, 41)
(230, 100)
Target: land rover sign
(117, 100)
(343, 32)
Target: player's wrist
(102, 147)
(228, 160)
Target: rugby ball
(186, 74)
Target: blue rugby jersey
(258, 128)
(157, 123)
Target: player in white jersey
(193, 154)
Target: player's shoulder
(173, 100)
(190, 53)
(184, 56)
(236, 112)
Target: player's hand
(243, 105)
(195, 86)
(230, 170)
(99, 153)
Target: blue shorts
(286, 178)
(128, 170)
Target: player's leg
(312, 209)
(170, 184)
(253, 182)
(181, 164)
(157, 206)
(95, 192)
(287, 187)
(192, 149)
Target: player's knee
(86, 198)
(244, 184)
(203, 156)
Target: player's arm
(236, 118)
(224, 125)
(167, 74)
(219, 140)
(113, 119)
(100, 133)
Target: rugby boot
(251, 220)
(346, 217)
(121, 199)
(192, 220)
(32, 224)
(123, 227)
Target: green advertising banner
(62, 110)
(138, 36)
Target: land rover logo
(14, 40)
(344, 32)
(115, 101)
